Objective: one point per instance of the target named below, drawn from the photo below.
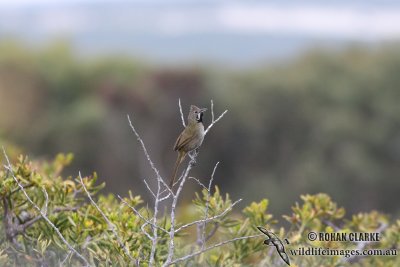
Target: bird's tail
(179, 160)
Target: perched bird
(190, 138)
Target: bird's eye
(196, 112)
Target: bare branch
(155, 233)
(214, 122)
(111, 226)
(145, 232)
(65, 259)
(165, 198)
(148, 188)
(207, 202)
(47, 200)
(212, 232)
(9, 167)
(212, 110)
(145, 150)
(61, 209)
(18, 189)
(27, 224)
(198, 181)
(209, 219)
(180, 110)
(140, 215)
(212, 247)
(167, 188)
(23, 227)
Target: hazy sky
(196, 28)
(338, 19)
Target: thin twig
(148, 156)
(213, 231)
(212, 110)
(144, 149)
(207, 202)
(65, 259)
(180, 110)
(155, 233)
(46, 203)
(71, 248)
(148, 188)
(209, 219)
(145, 232)
(111, 226)
(214, 122)
(61, 209)
(212, 247)
(165, 198)
(27, 224)
(140, 215)
(167, 188)
(18, 189)
(198, 181)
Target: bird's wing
(183, 140)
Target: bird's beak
(203, 110)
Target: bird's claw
(193, 155)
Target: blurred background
(312, 88)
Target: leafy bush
(29, 240)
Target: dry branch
(212, 247)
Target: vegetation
(35, 243)
(327, 122)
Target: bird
(190, 139)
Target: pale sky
(307, 18)
(144, 24)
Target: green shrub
(28, 240)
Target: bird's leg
(192, 158)
(193, 155)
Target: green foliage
(78, 221)
(83, 226)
